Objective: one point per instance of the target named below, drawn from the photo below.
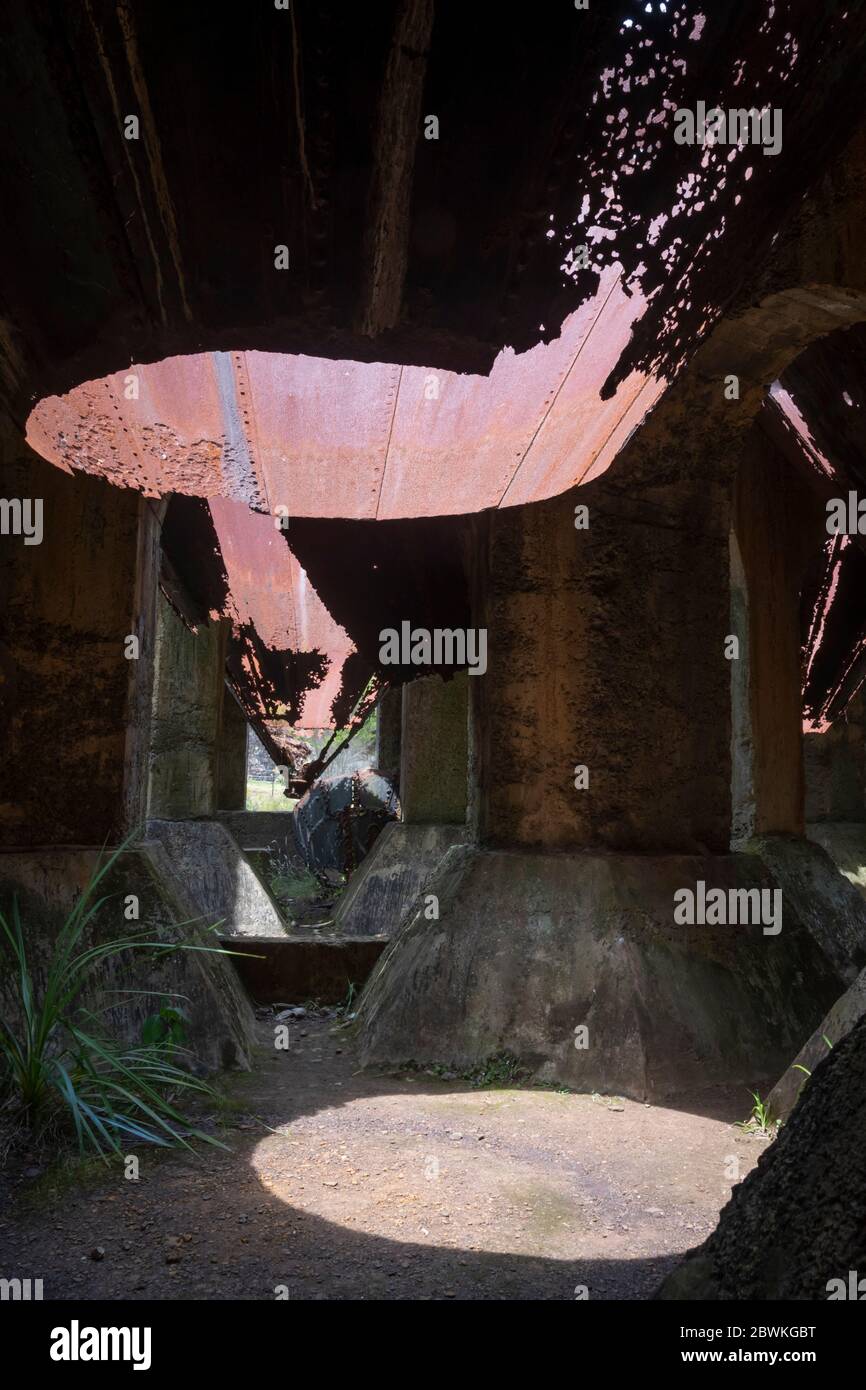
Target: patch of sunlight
(434, 1184)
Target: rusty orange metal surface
(269, 590)
(325, 438)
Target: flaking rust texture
(815, 414)
(363, 440)
(289, 663)
(610, 266)
(286, 649)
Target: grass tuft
(60, 1074)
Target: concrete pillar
(434, 750)
(433, 797)
(606, 652)
(556, 937)
(75, 706)
(779, 524)
(742, 773)
(189, 679)
(835, 768)
(139, 707)
(66, 606)
(232, 755)
(389, 718)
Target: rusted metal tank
(338, 820)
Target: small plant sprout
(761, 1121)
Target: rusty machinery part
(338, 820)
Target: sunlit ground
(523, 1171)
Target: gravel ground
(355, 1186)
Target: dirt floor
(351, 1186)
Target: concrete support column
(232, 755)
(389, 718)
(434, 750)
(606, 653)
(189, 680)
(778, 526)
(601, 752)
(67, 604)
(143, 626)
(835, 768)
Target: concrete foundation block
(212, 877)
(845, 842)
(388, 883)
(827, 901)
(530, 947)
